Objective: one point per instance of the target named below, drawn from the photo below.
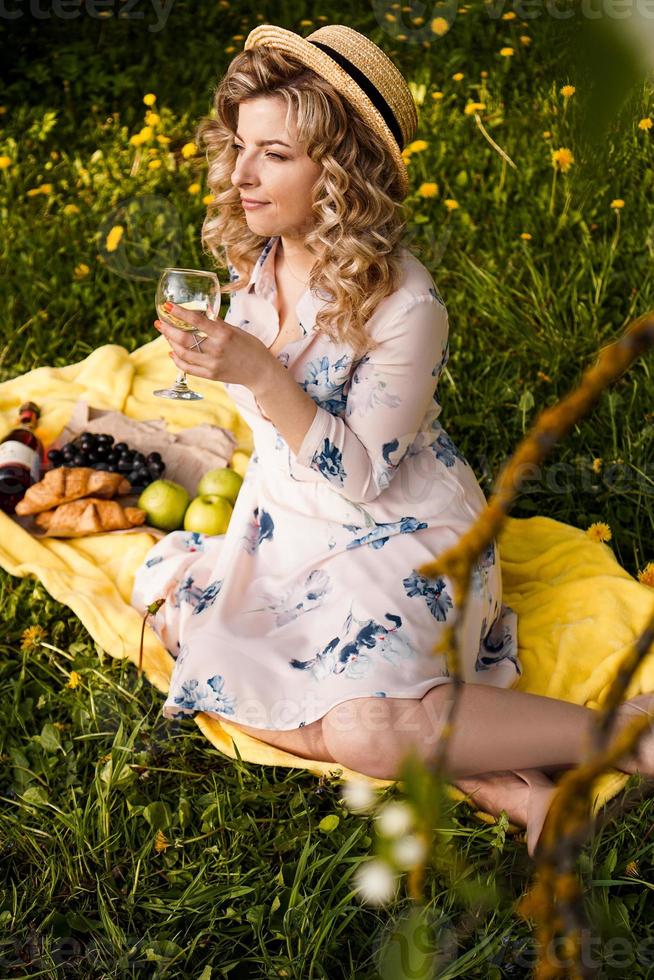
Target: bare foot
(525, 795)
(642, 760)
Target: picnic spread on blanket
(578, 611)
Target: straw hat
(360, 72)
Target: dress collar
(262, 283)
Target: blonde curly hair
(357, 210)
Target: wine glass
(192, 289)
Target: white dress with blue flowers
(313, 597)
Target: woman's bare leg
(494, 729)
(307, 742)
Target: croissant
(89, 516)
(63, 484)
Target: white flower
(357, 795)
(375, 881)
(408, 851)
(418, 92)
(394, 819)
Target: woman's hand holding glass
(227, 353)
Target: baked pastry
(89, 516)
(63, 484)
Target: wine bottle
(21, 458)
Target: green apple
(165, 504)
(208, 514)
(223, 481)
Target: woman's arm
(284, 403)
(390, 393)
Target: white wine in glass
(191, 289)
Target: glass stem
(181, 378)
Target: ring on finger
(197, 343)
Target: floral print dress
(313, 596)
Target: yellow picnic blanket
(579, 611)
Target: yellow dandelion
(645, 123)
(208, 199)
(437, 95)
(451, 204)
(525, 39)
(152, 118)
(303, 23)
(509, 15)
(146, 133)
(599, 531)
(81, 271)
(597, 464)
(5, 162)
(506, 52)
(164, 140)
(547, 135)
(526, 236)
(428, 190)
(113, 238)
(483, 74)
(136, 139)
(418, 21)
(416, 147)
(562, 158)
(542, 376)
(474, 107)
(646, 576)
(154, 164)
(31, 636)
(230, 49)
(632, 870)
(73, 679)
(160, 842)
(42, 189)
(71, 209)
(150, 98)
(3, 109)
(391, 18)
(189, 150)
(238, 37)
(617, 203)
(440, 26)
(458, 76)
(194, 188)
(567, 91)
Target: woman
(307, 624)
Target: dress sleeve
(391, 391)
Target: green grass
(250, 885)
